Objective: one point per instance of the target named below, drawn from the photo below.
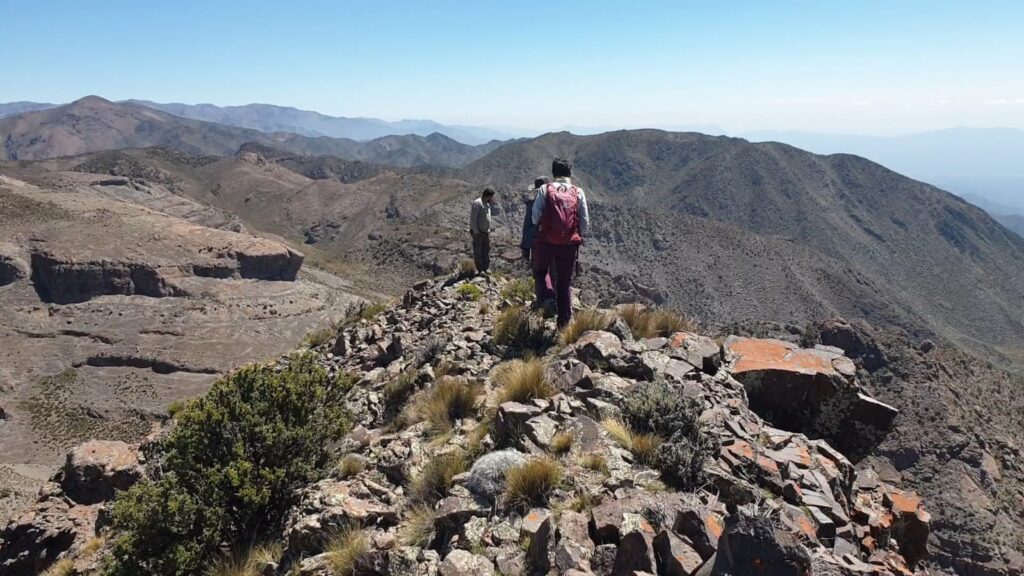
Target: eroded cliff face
(769, 500)
(111, 309)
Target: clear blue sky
(864, 66)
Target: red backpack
(560, 223)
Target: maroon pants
(562, 259)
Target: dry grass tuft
(562, 443)
(516, 327)
(347, 552)
(467, 268)
(433, 482)
(522, 381)
(350, 465)
(531, 483)
(418, 527)
(450, 399)
(650, 323)
(582, 321)
(92, 546)
(248, 562)
(62, 567)
(595, 461)
(644, 447)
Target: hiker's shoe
(550, 309)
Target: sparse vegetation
(519, 290)
(346, 551)
(350, 465)
(562, 442)
(470, 292)
(646, 322)
(582, 321)
(319, 337)
(643, 446)
(248, 562)
(595, 461)
(92, 546)
(417, 529)
(62, 567)
(522, 381)
(227, 484)
(531, 483)
(516, 327)
(176, 407)
(450, 399)
(398, 390)
(435, 479)
(370, 312)
(467, 268)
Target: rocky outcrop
(70, 507)
(267, 262)
(811, 391)
(65, 280)
(12, 266)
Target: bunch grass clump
(449, 400)
(647, 322)
(62, 567)
(595, 461)
(347, 551)
(516, 327)
(562, 442)
(522, 381)
(584, 321)
(399, 389)
(418, 527)
(435, 479)
(247, 562)
(350, 465)
(467, 268)
(531, 483)
(370, 312)
(643, 446)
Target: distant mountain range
(979, 162)
(93, 123)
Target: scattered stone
(95, 470)
(463, 563)
(487, 475)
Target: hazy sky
(863, 66)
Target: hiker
(480, 229)
(529, 228)
(560, 210)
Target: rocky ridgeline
(772, 501)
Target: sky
(841, 66)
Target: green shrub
(232, 468)
(470, 292)
(519, 290)
(516, 327)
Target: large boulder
(487, 475)
(752, 545)
(34, 539)
(856, 341)
(94, 471)
(811, 391)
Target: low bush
(319, 337)
(516, 327)
(522, 381)
(435, 479)
(232, 468)
(531, 483)
(582, 321)
(470, 292)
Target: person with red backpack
(560, 210)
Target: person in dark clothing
(560, 210)
(529, 228)
(480, 229)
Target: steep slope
(92, 124)
(116, 300)
(933, 256)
